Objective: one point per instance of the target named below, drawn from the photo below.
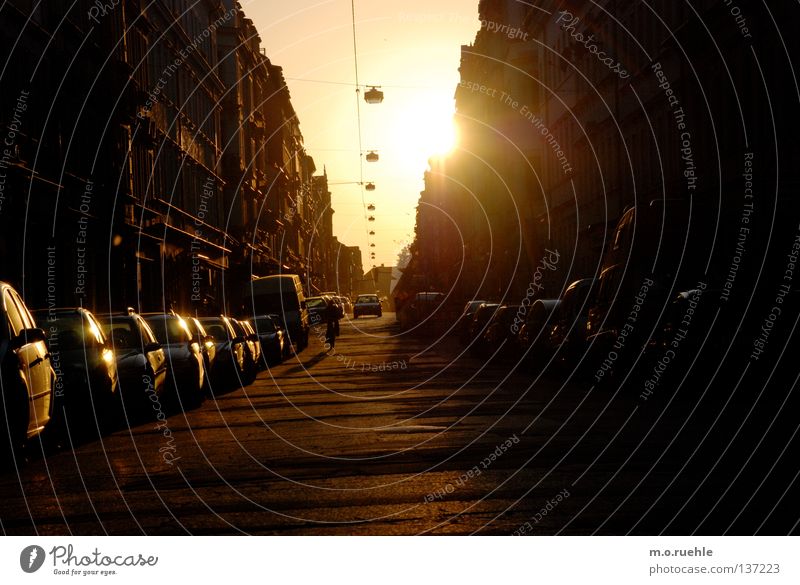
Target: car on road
(141, 361)
(184, 356)
(281, 294)
(270, 333)
(347, 305)
(567, 332)
(230, 363)
(207, 347)
(253, 347)
(367, 305)
(26, 372)
(423, 307)
(483, 315)
(86, 370)
(462, 325)
(317, 306)
(652, 253)
(534, 341)
(501, 332)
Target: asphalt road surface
(400, 434)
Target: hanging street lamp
(373, 95)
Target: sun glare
(422, 131)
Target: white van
(280, 295)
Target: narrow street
(387, 434)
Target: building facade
(570, 113)
(153, 158)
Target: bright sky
(412, 50)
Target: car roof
(60, 311)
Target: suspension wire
(358, 119)
(349, 84)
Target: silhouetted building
(568, 116)
(152, 158)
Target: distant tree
(404, 257)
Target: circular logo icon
(31, 558)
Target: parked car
(534, 341)
(141, 361)
(253, 346)
(270, 333)
(207, 347)
(27, 375)
(347, 305)
(230, 363)
(288, 348)
(367, 305)
(461, 327)
(337, 303)
(419, 309)
(184, 356)
(501, 331)
(651, 254)
(86, 370)
(316, 309)
(567, 333)
(480, 322)
(281, 294)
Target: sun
(421, 129)
(436, 132)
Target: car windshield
(264, 325)
(122, 332)
(315, 302)
(71, 332)
(370, 299)
(216, 330)
(168, 330)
